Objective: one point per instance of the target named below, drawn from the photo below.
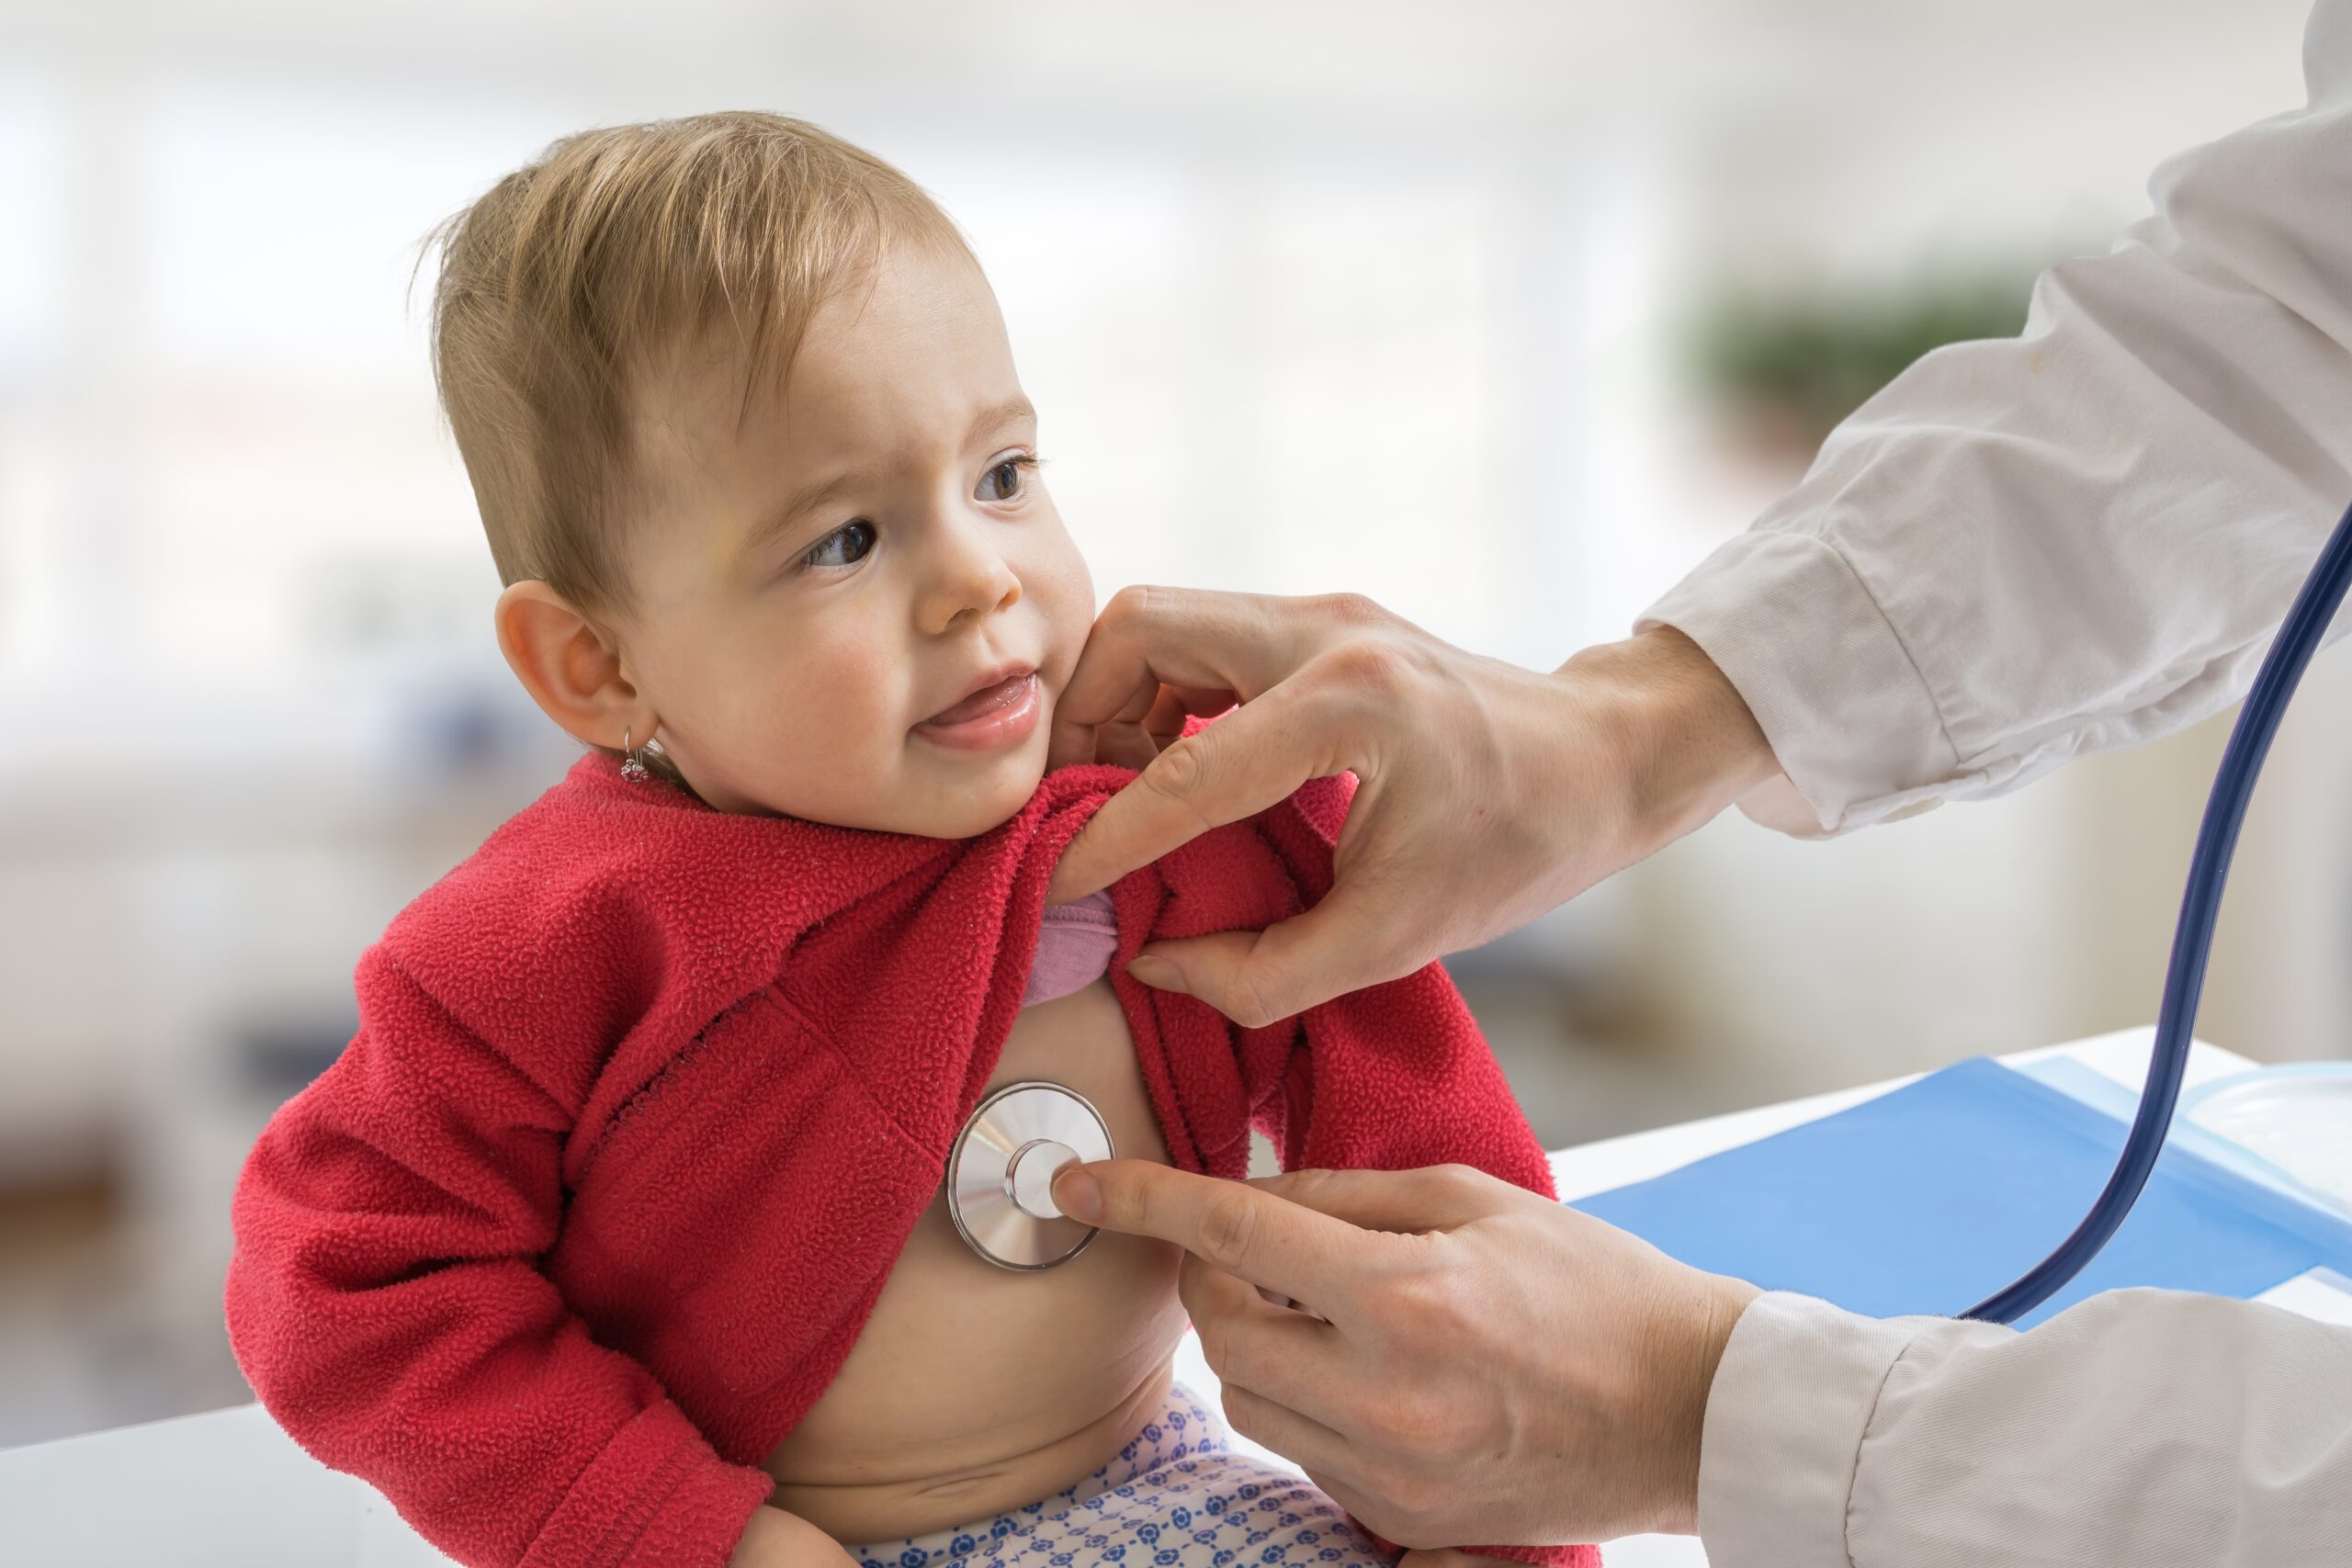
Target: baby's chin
(942, 792)
(958, 797)
(987, 795)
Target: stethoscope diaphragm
(1000, 1174)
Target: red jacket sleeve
(386, 1302)
(1394, 1078)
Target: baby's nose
(972, 582)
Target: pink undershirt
(1074, 948)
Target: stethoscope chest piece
(1000, 1174)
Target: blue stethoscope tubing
(2192, 943)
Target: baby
(616, 1236)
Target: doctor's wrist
(1687, 743)
(1688, 1380)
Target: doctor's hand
(1486, 794)
(1494, 1367)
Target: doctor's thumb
(1158, 972)
(1234, 972)
(1078, 1194)
(1345, 943)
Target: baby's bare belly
(974, 1389)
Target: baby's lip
(996, 689)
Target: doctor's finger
(1181, 636)
(1353, 939)
(1251, 759)
(1294, 1251)
(1277, 1352)
(1097, 736)
(1134, 744)
(1434, 1198)
(1299, 1438)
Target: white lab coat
(2020, 552)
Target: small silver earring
(633, 770)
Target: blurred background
(1503, 311)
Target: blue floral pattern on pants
(1177, 1496)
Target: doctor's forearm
(2027, 550)
(2143, 1426)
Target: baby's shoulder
(547, 873)
(592, 904)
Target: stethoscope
(1001, 1173)
(2192, 943)
(1001, 1169)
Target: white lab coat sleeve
(2027, 549)
(2148, 1427)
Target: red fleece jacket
(647, 1098)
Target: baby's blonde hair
(575, 272)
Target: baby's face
(859, 606)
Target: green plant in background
(1790, 366)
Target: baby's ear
(570, 666)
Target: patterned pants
(1178, 1496)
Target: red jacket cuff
(658, 1497)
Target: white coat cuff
(1784, 1425)
(1857, 732)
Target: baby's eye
(1006, 481)
(844, 546)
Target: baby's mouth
(1003, 710)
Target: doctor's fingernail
(1157, 973)
(1078, 1194)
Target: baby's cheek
(1063, 591)
(847, 708)
(799, 730)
